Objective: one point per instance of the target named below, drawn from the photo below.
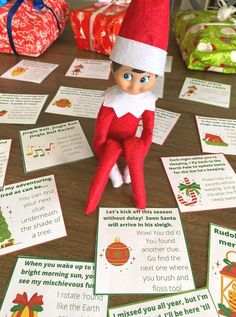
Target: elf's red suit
(115, 131)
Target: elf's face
(132, 82)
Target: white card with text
(32, 71)
(217, 135)
(222, 268)
(20, 108)
(141, 252)
(89, 68)
(208, 92)
(168, 65)
(196, 303)
(202, 182)
(54, 145)
(158, 88)
(30, 214)
(76, 102)
(5, 146)
(52, 287)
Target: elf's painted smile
(133, 82)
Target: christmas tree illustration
(4, 231)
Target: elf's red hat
(143, 37)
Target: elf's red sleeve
(148, 125)
(138, 147)
(102, 127)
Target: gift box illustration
(96, 26)
(25, 307)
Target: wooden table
(73, 179)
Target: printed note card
(5, 146)
(168, 65)
(32, 71)
(195, 304)
(141, 251)
(201, 182)
(158, 87)
(30, 213)
(217, 135)
(20, 108)
(89, 68)
(76, 102)
(53, 145)
(50, 287)
(204, 91)
(222, 269)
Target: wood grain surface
(73, 179)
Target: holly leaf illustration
(17, 308)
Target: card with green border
(52, 287)
(30, 214)
(196, 303)
(141, 252)
(54, 145)
(221, 279)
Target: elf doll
(138, 56)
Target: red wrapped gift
(31, 26)
(96, 26)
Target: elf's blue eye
(144, 80)
(127, 76)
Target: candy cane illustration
(191, 190)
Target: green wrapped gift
(205, 42)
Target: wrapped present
(25, 307)
(29, 27)
(96, 26)
(207, 41)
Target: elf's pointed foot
(90, 207)
(140, 206)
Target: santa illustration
(138, 56)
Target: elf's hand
(134, 147)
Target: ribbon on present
(34, 304)
(117, 2)
(38, 5)
(194, 186)
(225, 12)
(105, 4)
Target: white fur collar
(124, 103)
